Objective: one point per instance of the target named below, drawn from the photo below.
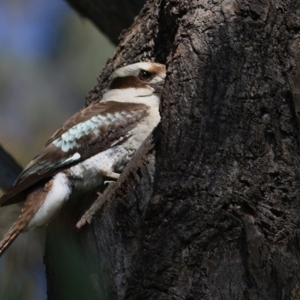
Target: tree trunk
(216, 214)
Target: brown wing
(90, 131)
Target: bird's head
(137, 80)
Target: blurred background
(49, 59)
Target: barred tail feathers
(11, 235)
(30, 207)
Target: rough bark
(216, 214)
(102, 12)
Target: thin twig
(136, 162)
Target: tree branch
(10, 170)
(102, 12)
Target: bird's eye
(145, 75)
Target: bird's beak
(157, 86)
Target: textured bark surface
(216, 215)
(102, 12)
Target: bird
(90, 148)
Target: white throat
(132, 95)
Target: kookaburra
(92, 146)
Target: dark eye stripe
(126, 83)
